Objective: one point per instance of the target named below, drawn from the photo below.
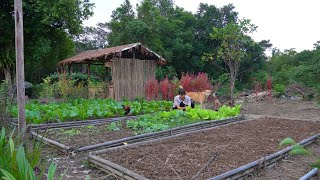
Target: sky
(286, 23)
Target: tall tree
(92, 38)
(119, 25)
(48, 30)
(233, 40)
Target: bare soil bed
(87, 135)
(284, 108)
(234, 145)
(293, 167)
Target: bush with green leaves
(279, 89)
(16, 163)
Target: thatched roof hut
(132, 65)
(135, 50)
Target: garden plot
(184, 156)
(146, 127)
(292, 167)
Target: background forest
(53, 31)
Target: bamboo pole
(51, 142)
(310, 174)
(119, 170)
(20, 68)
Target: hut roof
(102, 55)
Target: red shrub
(202, 82)
(194, 83)
(164, 87)
(269, 87)
(186, 82)
(152, 89)
(172, 90)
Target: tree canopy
(49, 27)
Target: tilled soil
(293, 167)
(284, 108)
(87, 135)
(233, 145)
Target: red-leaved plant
(269, 87)
(172, 90)
(164, 87)
(152, 89)
(202, 82)
(186, 82)
(192, 83)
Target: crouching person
(181, 101)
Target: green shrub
(279, 89)
(16, 163)
(47, 88)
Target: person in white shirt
(182, 100)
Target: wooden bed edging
(263, 162)
(111, 167)
(310, 174)
(79, 123)
(161, 134)
(64, 148)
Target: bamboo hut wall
(130, 76)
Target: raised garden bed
(93, 137)
(291, 167)
(202, 154)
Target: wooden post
(107, 75)
(69, 69)
(20, 68)
(88, 72)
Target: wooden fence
(130, 76)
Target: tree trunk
(232, 82)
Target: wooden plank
(117, 168)
(109, 170)
(51, 142)
(20, 68)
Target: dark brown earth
(87, 135)
(234, 145)
(293, 167)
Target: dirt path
(283, 108)
(234, 145)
